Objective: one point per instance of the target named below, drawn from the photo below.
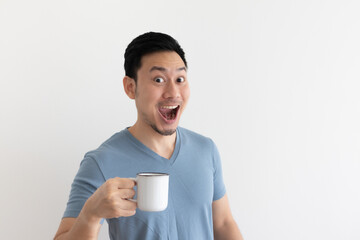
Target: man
(198, 208)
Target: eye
(159, 80)
(180, 80)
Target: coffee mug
(152, 191)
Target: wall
(274, 83)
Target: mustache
(169, 102)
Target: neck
(160, 144)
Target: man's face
(162, 91)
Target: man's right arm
(75, 228)
(110, 200)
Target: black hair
(147, 43)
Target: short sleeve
(219, 186)
(87, 180)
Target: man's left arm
(225, 226)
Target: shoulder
(113, 156)
(190, 137)
(114, 145)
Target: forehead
(167, 59)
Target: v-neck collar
(153, 154)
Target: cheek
(186, 94)
(148, 99)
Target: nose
(171, 91)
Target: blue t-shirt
(195, 182)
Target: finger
(119, 183)
(126, 193)
(124, 183)
(128, 205)
(128, 213)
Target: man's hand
(110, 200)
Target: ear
(129, 87)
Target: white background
(274, 83)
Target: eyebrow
(162, 69)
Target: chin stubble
(164, 133)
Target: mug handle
(131, 199)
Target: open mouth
(169, 112)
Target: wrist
(87, 216)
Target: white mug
(152, 191)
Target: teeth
(169, 107)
